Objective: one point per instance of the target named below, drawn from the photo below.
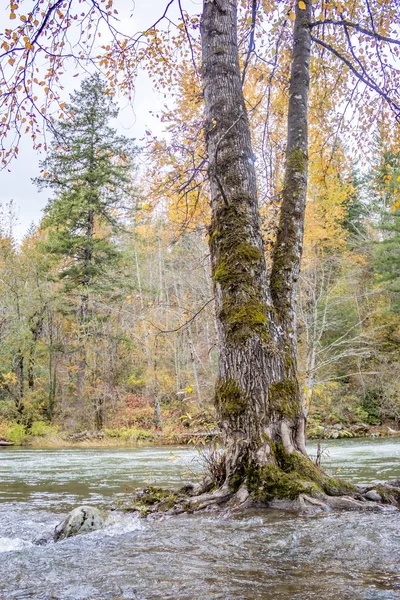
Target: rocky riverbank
(358, 430)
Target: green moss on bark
(285, 258)
(158, 498)
(283, 398)
(289, 476)
(269, 482)
(237, 270)
(229, 398)
(244, 320)
(296, 161)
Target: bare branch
(365, 79)
(345, 23)
(251, 40)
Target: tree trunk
(257, 393)
(36, 331)
(152, 389)
(289, 242)
(19, 371)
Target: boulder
(83, 519)
(373, 496)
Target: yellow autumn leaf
(13, 15)
(302, 5)
(292, 16)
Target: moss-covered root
(191, 498)
(290, 477)
(292, 483)
(153, 500)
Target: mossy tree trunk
(257, 392)
(289, 242)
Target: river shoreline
(95, 440)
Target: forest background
(106, 307)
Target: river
(262, 554)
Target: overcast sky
(17, 184)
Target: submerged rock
(83, 519)
(43, 539)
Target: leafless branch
(365, 79)
(251, 39)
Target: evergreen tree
(358, 207)
(387, 259)
(89, 168)
(387, 255)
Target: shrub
(134, 412)
(362, 414)
(42, 428)
(132, 434)
(17, 434)
(372, 405)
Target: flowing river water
(262, 554)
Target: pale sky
(17, 184)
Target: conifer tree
(387, 263)
(387, 254)
(89, 168)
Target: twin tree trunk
(257, 394)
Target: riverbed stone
(43, 539)
(374, 496)
(242, 494)
(83, 519)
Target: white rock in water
(242, 494)
(80, 520)
(374, 496)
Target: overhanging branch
(345, 23)
(364, 78)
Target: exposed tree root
(157, 501)
(293, 483)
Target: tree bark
(289, 243)
(257, 393)
(19, 371)
(36, 327)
